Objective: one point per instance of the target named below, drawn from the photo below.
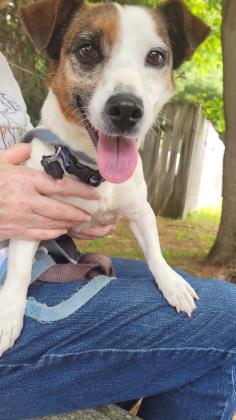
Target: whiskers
(156, 127)
(159, 124)
(164, 118)
(72, 113)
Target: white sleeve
(14, 120)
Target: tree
(224, 249)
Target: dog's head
(115, 64)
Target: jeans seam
(172, 349)
(14, 365)
(200, 349)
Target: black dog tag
(52, 167)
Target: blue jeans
(126, 343)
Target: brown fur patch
(44, 22)
(99, 18)
(160, 26)
(186, 31)
(104, 18)
(163, 33)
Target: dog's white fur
(129, 199)
(126, 67)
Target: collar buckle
(51, 164)
(63, 160)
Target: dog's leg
(174, 288)
(14, 291)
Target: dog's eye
(156, 58)
(88, 53)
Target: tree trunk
(224, 249)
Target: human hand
(98, 231)
(25, 211)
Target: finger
(42, 234)
(77, 235)
(16, 154)
(98, 231)
(40, 222)
(110, 222)
(57, 210)
(82, 237)
(66, 186)
(33, 222)
(92, 232)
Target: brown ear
(45, 22)
(186, 31)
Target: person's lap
(125, 343)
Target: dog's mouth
(117, 155)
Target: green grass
(207, 217)
(185, 243)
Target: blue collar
(64, 159)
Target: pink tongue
(117, 158)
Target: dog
(112, 67)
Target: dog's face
(113, 64)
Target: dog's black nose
(125, 111)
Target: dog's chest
(104, 208)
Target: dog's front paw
(178, 293)
(11, 321)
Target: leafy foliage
(28, 66)
(197, 81)
(201, 80)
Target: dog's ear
(186, 31)
(45, 22)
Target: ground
(185, 243)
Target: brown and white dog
(118, 62)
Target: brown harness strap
(89, 266)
